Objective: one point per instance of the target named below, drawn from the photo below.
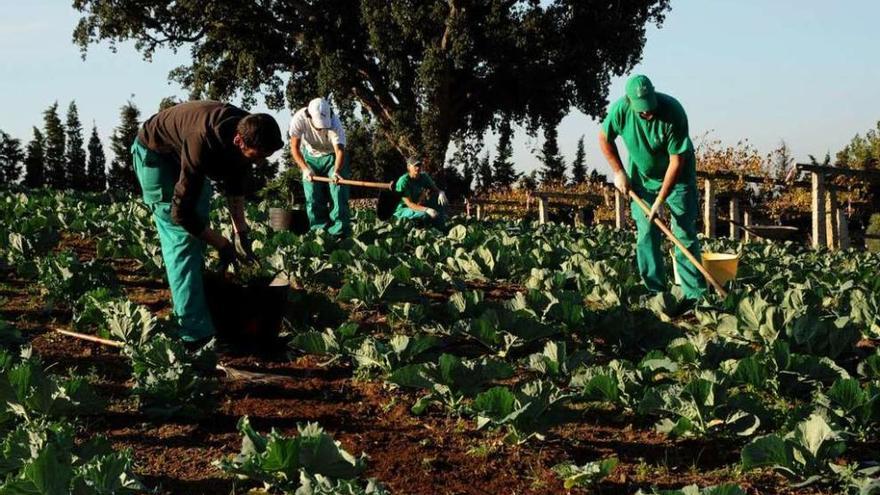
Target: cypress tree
(121, 178)
(579, 165)
(96, 168)
(503, 174)
(75, 155)
(485, 180)
(56, 176)
(35, 161)
(553, 168)
(11, 157)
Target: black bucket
(246, 316)
(284, 219)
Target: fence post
(831, 232)
(709, 208)
(542, 210)
(479, 211)
(734, 217)
(818, 199)
(619, 219)
(467, 208)
(747, 221)
(842, 230)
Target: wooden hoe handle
(388, 186)
(91, 338)
(663, 228)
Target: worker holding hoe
(317, 143)
(661, 170)
(421, 199)
(176, 150)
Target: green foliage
(121, 177)
(400, 350)
(97, 163)
(555, 361)
(526, 411)
(503, 174)
(873, 229)
(450, 379)
(425, 72)
(579, 165)
(697, 408)
(587, 475)
(41, 458)
(64, 279)
(552, 163)
(11, 157)
(310, 463)
(28, 392)
(851, 407)
(75, 155)
(171, 381)
(515, 327)
(727, 489)
(56, 173)
(35, 161)
(804, 454)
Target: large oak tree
(427, 71)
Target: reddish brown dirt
(434, 454)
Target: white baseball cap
(320, 113)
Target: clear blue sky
(801, 70)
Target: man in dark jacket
(175, 152)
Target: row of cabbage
(777, 363)
(43, 411)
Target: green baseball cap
(640, 93)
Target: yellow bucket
(722, 266)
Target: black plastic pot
(284, 219)
(246, 316)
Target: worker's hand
(431, 212)
(656, 209)
(621, 182)
(335, 175)
(307, 175)
(243, 247)
(227, 256)
(441, 199)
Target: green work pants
(683, 207)
(327, 204)
(183, 254)
(421, 217)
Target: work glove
(656, 210)
(307, 175)
(227, 256)
(621, 182)
(441, 199)
(431, 212)
(243, 247)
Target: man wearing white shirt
(317, 143)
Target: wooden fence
(828, 219)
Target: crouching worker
(421, 200)
(176, 150)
